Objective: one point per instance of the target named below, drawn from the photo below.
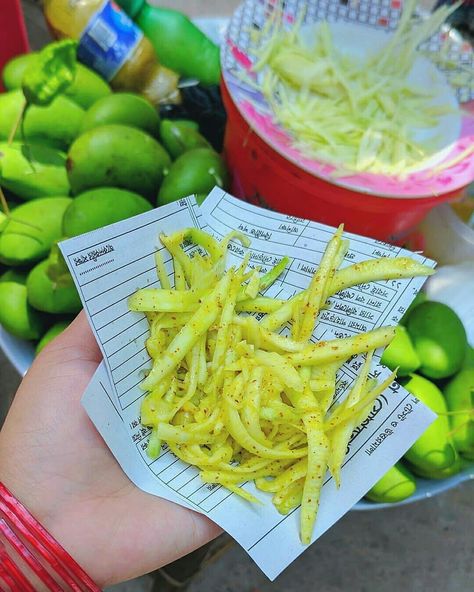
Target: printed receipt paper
(110, 264)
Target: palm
(55, 461)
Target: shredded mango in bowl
(360, 113)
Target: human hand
(55, 462)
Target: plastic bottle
(113, 45)
(179, 44)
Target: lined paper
(110, 264)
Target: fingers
(77, 340)
(204, 530)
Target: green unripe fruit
(419, 298)
(433, 450)
(99, 207)
(439, 339)
(195, 171)
(459, 394)
(51, 334)
(55, 125)
(32, 229)
(85, 90)
(396, 485)
(125, 109)
(33, 171)
(179, 137)
(47, 296)
(400, 353)
(453, 469)
(117, 156)
(469, 358)
(16, 315)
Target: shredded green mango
(357, 114)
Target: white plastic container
(447, 239)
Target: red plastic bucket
(14, 36)
(263, 177)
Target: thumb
(76, 342)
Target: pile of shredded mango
(231, 393)
(360, 115)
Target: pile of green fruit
(86, 159)
(436, 364)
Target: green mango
(51, 334)
(117, 156)
(188, 123)
(99, 207)
(32, 229)
(48, 296)
(400, 353)
(16, 315)
(419, 298)
(439, 339)
(58, 271)
(469, 358)
(85, 90)
(459, 395)
(179, 137)
(200, 197)
(126, 109)
(396, 485)
(13, 275)
(3, 221)
(433, 450)
(56, 125)
(453, 469)
(14, 70)
(195, 171)
(33, 171)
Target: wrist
(31, 559)
(26, 479)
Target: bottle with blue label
(114, 46)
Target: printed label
(108, 40)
